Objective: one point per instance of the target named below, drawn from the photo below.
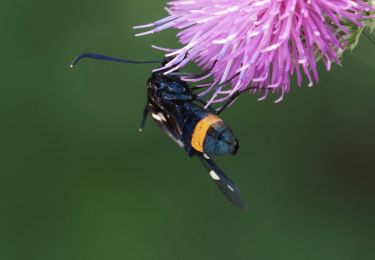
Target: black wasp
(177, 111)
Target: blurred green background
(78, 181)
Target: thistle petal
(261, 43)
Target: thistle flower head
(258, 45)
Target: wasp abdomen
(212, 136)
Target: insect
(180, 113)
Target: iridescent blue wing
(227, 186)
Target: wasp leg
(369, 38)
(227, 186)
(144, 117)
(204, 102)
(234, 97)
(228, 102)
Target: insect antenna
(95, 56)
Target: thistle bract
(258, 45)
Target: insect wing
(227, 186)
(166, 124)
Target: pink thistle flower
(258, 45)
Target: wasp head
(166, 60)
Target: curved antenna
(95, 56)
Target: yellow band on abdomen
(200, 131)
